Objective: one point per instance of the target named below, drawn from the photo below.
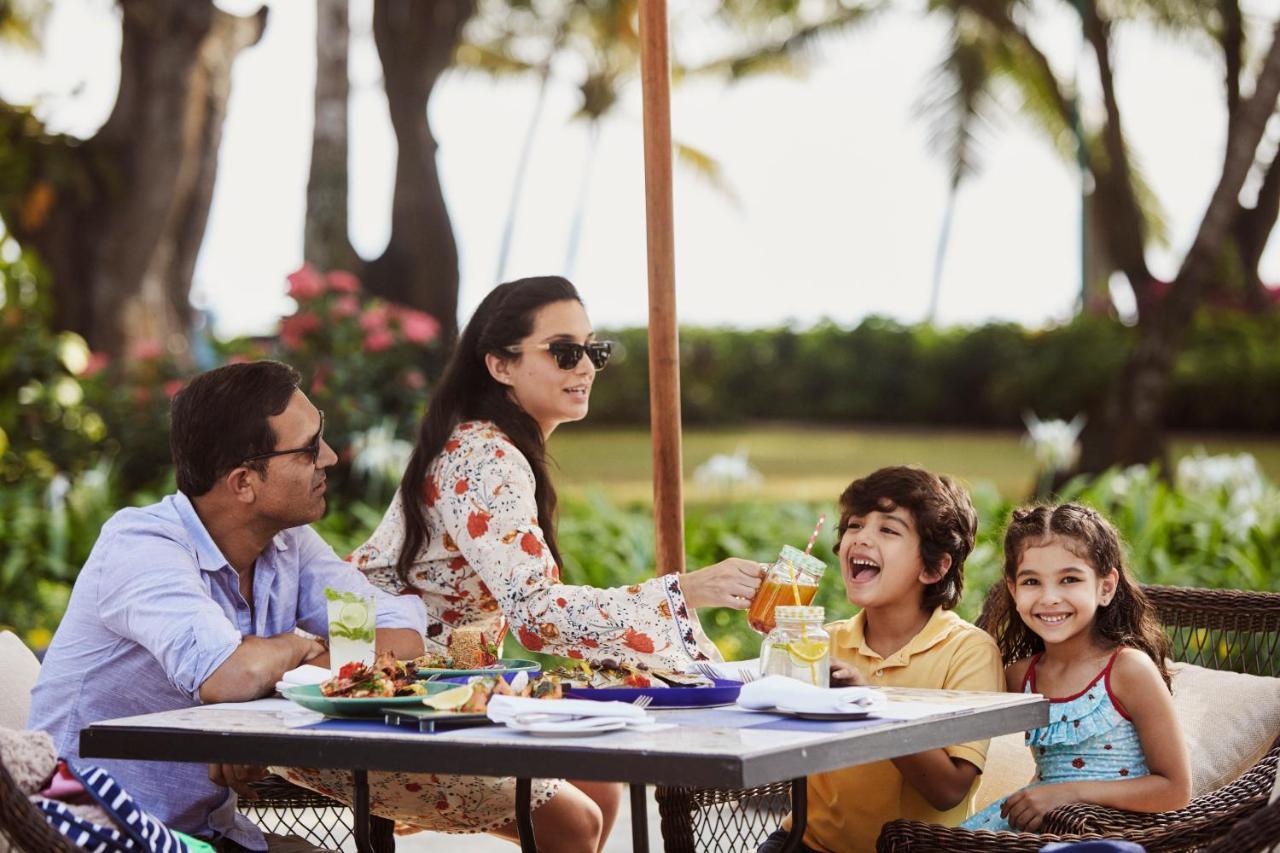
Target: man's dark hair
(944, 516)
(220, 418)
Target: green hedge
(881, 371)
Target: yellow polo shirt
(848, 807)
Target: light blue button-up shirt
(155, 610)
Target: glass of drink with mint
(352, 622)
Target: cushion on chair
(21, 669)
(1009, 767)
(1229, 721)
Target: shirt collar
(209, 556)
(940, 625)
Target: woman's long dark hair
(1127, 620)
(468, 392)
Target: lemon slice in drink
(449, 700)
(807, 651)
(353, 615)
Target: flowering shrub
(366, 363)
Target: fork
(642, 701)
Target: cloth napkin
(508, 709)
(305, 674)
(775, 690)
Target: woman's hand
(729, 583)
(845, 675)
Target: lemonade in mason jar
(798, 647)
(792, 580)
(352, 627)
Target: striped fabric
(142, 833)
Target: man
(195, 599)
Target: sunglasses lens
(599, 353)
(566, 355)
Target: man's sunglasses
(312, 449)
(567, 354)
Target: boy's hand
(844, 675)
(1025, 809)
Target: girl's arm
(1137, 684)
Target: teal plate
(502, 667)
(310, 697)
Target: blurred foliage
(881, 371)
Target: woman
(475, 538)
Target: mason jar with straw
(793, 579)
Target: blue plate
(725, 692)
(502, 667)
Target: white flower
(725, 471)
(377, 453)
(1251, 501)
(1053, 442)
(1131, 480)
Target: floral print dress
(487, 564)
(1089, 737)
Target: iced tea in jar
(792, 580)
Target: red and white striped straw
(814, 536)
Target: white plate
(860, 714)
(567, 729)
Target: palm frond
(957, 102)
(706, 168)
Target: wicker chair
(288, 809)
(1217, 629)
(22, 825)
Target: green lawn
(815, 463)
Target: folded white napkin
(305, 674)
(780, 691)
(509, 709)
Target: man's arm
(942, 780)
(256, 665)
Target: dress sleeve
(485, 495)
(377, 557)
(975, 666)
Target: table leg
(524, 815)
(639, 819)
(382, 833)
(360, 810)
(799, 814)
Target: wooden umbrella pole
(664, 341)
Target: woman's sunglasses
(567, 354)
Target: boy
(904, 537)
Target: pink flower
(415, 380)
(379, 340)
(296, 326)
(305, 284)
(345, 306)
(172, 387)
(98, 362)
(146, 350)
(238, 359)
(343, 282)
(418, 327)
(375, 319)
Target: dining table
(725, 747)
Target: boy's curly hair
(944, 517)
(1127, 620)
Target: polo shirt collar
(209, 556)
(940, 625)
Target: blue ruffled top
(1088, 737)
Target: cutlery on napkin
(571, 714)
(778, 690)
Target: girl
(471, 531)
(1096, 650)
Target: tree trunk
(125, 211)
(326, 240)
(419, 267)
(1129, 428)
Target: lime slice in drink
(353, 616)
(807, 651)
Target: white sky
(839, 198)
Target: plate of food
(607, 681)
(470, 653)
(359, 690)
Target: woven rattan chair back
(22, 825)
(1216, 629)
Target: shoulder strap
(1029, 677)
